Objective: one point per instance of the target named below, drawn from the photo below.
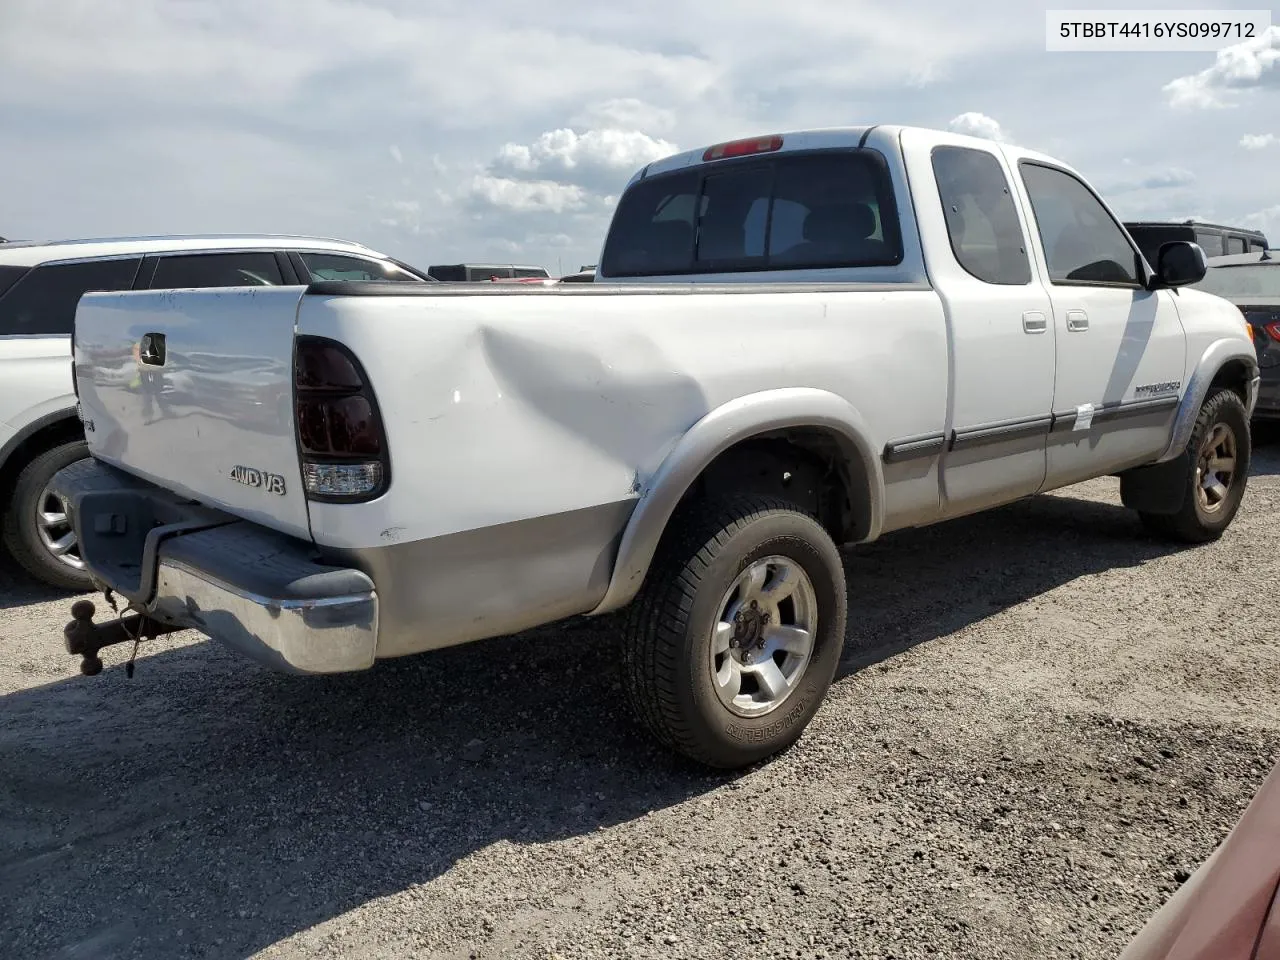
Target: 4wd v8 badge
(270, 482)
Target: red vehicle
(1230, 908)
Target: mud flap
(1159, 488)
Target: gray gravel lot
(1044, 720)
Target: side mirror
(1179, 263)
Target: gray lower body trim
(491, 581)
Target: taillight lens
(1273, 329)
(340, 435)
(742, 148)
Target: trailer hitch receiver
(84, 638)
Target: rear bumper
(267, 595)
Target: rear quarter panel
(503, 409)
(523, 429)
(36, 379)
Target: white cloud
(1252, 64)
(1258, 141)
(1162, 178)
(975, 124)
(566, 152)
(528, 196)
(625, 113)
(249, 117)
(1268, 221)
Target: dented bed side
(523, 431)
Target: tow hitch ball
(84, 638)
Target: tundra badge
(270, 482)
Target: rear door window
(822, 209)
(333, 266)
(255, 268)
(43, 302)
(982, 220)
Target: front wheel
(1217, 470)
(733, 641)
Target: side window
(531, 272)
(250, 269)
(823, 209)
(982, 220)
(488, 273)
(1235, 245)
(44, 301)
(332, 266)
(1211, 243)
(1082, 243)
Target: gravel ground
(1043, 722)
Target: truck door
(998, 317)
(1121, 350)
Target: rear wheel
(735, 637)
(37, 532)
(1217, 470)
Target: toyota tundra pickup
(794, 343)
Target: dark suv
(1252, 282)
(1215, 239)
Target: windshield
(1244, 280)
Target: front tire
(1218, 456)
(36, 532)
(734, 640)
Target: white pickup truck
(794, 342)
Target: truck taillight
(1274, 330)
(340, 436)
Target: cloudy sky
(503, 130)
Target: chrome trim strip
(1000, 432)
(913, 448)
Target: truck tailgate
(193, 390)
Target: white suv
(40, 285)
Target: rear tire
(728, 692)
(34, 542)
(1218, 456)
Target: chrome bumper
(265, 594)
(326, 633)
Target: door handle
(151, 349)
(1033, 321)
(1077, 320)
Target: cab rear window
(787, 212)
